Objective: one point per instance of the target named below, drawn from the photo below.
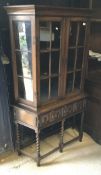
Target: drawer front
(61, 113)
(25, 117)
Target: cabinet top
(46, 10)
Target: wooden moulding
(47, 10)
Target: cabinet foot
(19, 153)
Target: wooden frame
(50, 19)
(20, 19)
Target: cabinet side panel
(13, 56)
(34, 60)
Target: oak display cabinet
(49, 55)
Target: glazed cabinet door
(50, 58)
(62, 56)
(75, 55)
(22, 32)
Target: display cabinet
(49, 55)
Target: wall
(70, 3)
(5, 127)
(5, 76)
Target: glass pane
(69, 83)
(25, 89)
(71, 59)
(80, 52)
(54, 87)
(44, 64)
(44, 90)
(45, 35)
(55, 36)
(55, 62)
(24, 64)
(23, 35)
(77, 80)
(73, 34)
(82, 30)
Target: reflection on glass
(73, 34)
(55, 36)
(82, 29)
(54, 87)
(77, 80)
(21, 88)
(23, 35)
(45, 35)
(25, 88)
(24, 64)
(44, 90)
(44, 64)
(69, 83)
(79, 58)
(55, 62)
(71, 59)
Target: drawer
(63, 112)
(25, 117)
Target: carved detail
(62, 112)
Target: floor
(78, 158)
